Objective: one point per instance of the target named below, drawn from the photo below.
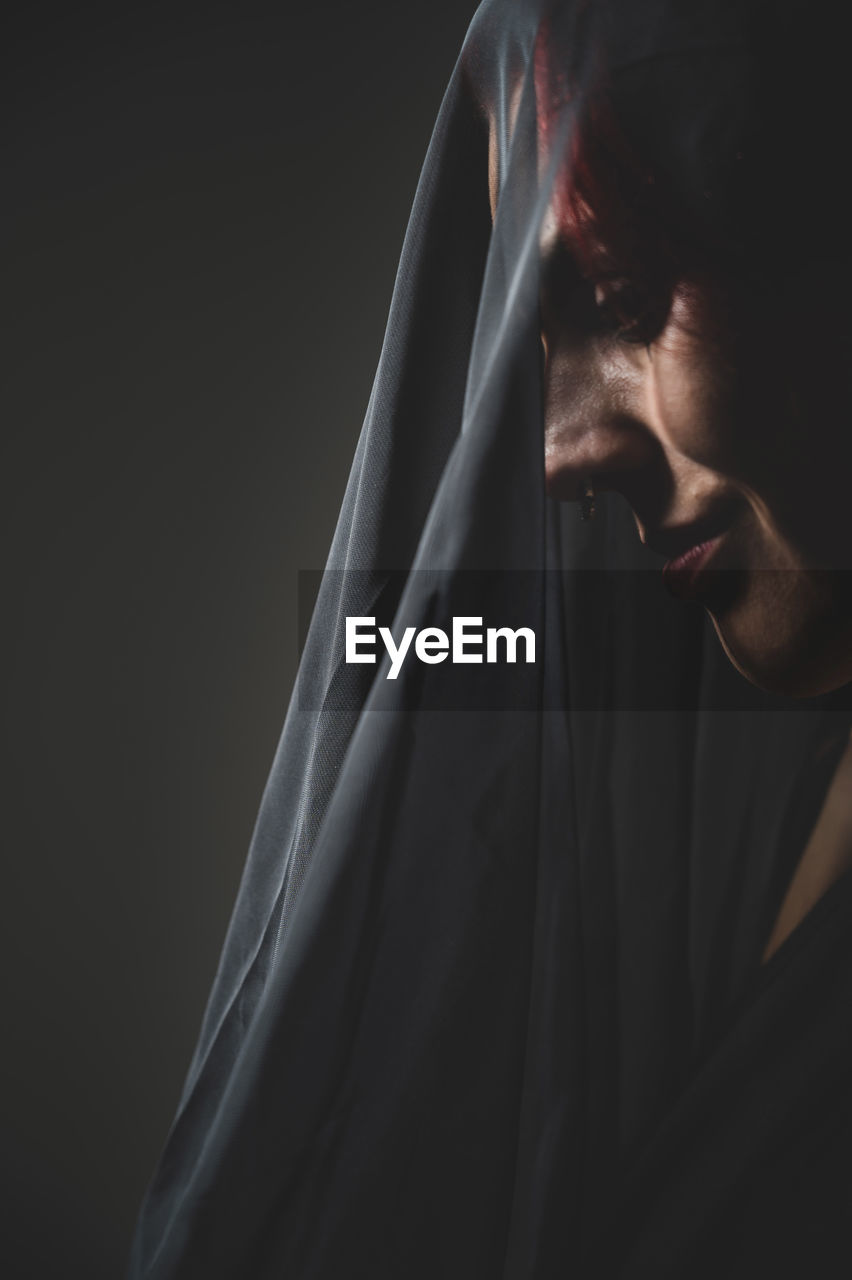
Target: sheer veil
(491, 1002)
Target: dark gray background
(203, 214)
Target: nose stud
(587, 500)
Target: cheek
(716, 385)
(694, 401)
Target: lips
(690, 549)
(682, 574)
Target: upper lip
(674, 541)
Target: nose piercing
(587, 500)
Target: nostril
(566, 485)
(587, 499)
(584, 458)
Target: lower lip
(683, 575)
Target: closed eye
(605, 305)
(630, 314)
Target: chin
(795, 644)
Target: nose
(598, 424)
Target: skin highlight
(718, 408)
(712, 427)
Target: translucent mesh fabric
(486, 959)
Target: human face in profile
(721, 414)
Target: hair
(625, 228)
(753, 205)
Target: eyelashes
(629, 313)
(607, 304)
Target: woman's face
(726, 428)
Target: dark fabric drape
(491, 1002)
